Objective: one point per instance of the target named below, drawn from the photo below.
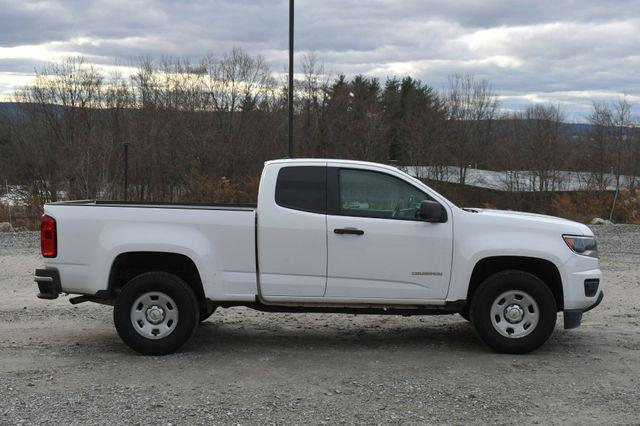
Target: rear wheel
(156, 313)
(513, 312)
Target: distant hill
(577, 129)
(11, 109)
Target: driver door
(377, 248)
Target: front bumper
(573, 317)
(48, 281)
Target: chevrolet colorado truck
(326, 236)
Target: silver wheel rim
(154, 315)
(515, 314)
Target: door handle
(350, 231)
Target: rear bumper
(573, 317)
(48, 281)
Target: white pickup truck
(325, 236)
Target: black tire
(513, 282)
(167, 285)
(205, 314)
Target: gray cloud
(20, 66)
(563, 51)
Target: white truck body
(281, 256)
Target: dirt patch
(66, 364)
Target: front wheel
(513, 312)
(156, 313)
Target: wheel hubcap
(154, 315)
(515, 314)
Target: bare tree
(541, 142)
(472, 108)
(61, 105)
(622, 139)
(236, 85)
(600, 138)
(314, 94)
(634, 157)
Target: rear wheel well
(129, 265)
(541, 268)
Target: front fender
(496, 241)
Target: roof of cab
(328, 160)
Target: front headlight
(585, 246)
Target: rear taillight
(48, 241)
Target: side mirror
(431, 211)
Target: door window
(302, 188)
(372, 194)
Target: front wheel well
(541, 268)
(127, 266)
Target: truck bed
(219, 238)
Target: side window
(302, 188)
(371, 194)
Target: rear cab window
(302, 188)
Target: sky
(564, 52)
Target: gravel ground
(65, 364)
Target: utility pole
(126, 170)
(291, 8)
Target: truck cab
(350, 232)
